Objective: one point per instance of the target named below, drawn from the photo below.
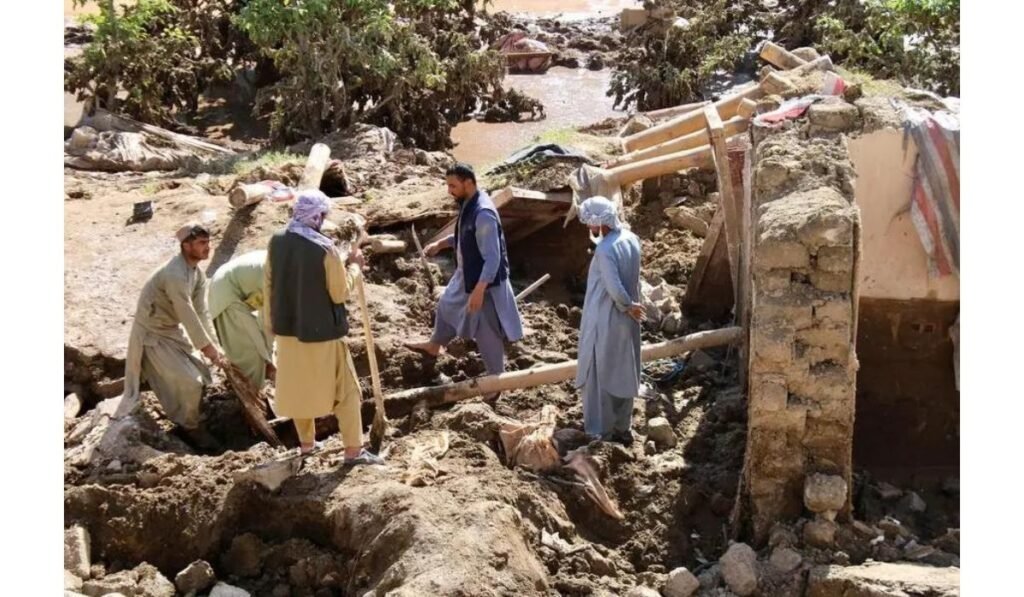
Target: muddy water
(571, 97)
(568, 8)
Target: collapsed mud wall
(802, 362)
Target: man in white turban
(609, 349)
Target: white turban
(599, 211)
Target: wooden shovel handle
(371, 353)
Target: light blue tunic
(499, 318)
(609, 353)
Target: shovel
(380, 422)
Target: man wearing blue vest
(478, 302)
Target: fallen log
(247, 194)
(386, 245)
(674, 110)
(401, 403)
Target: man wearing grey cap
(174, 297)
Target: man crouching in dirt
(609, 352)
(173, 297)
(236, 292)
(478, 302)
(305, 286)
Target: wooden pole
(699, 157)
(733, 126)
(402, 402)
(690, 122)
(726, 193)
(529, 289)
(423, 261)
(380, 421)
(675, 110)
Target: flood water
(571, 97)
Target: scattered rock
(599, 564)
(876, 578)
(825, 494)
(271, 474)
(918, 552)
(913, 502)
(739, 569)
(889, 492)
(681, 583)
(71, 582)
(77, 551)
(660, 430)
(636, 124)
(684, 218)
(893, 528)
(650, 448)
(807, 54)
(841, 558)
(820, 533)
(785, 559)
(949, 542)
(151, 583)
(595, 61)
(710, 578)
(782, 536)
(865, 530)
(642, 591)
(700, 360)
(194, 578)
(942, 559)
(225, 590)
(243, 557)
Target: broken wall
(802, 362)
(907, 400)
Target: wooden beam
(734, 126)
(726, 192)
(522, 232)
(316, 163)
(403, 402)
(690, 122)
(529, 289)
(674, 110)
(700, 267)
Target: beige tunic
(312, 377)
(172, 304)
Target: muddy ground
(471, 525)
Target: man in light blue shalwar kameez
(478, 302)
(609, 353)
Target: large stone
(833, 116)
(123, 582)
(820, 533)
(681, 583)
(785, 559)
(195, 577)
(739, 569)
(225, 590)
(71, 582)
(684, 218)
(660, 430)
(913, 502)
(77, 551)
(151, 583)
(878, 579)
(640, 591)
(825, 493)
(243, 558)
(636, 124)
(710, 578)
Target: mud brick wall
(802, 361)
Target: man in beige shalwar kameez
(306, 284)
(236, 294)
(174, 297)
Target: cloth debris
(935, 196)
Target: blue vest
(465, 239)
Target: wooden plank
(726, 192)
(709, 291)
(734, 126)
(541, 205)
